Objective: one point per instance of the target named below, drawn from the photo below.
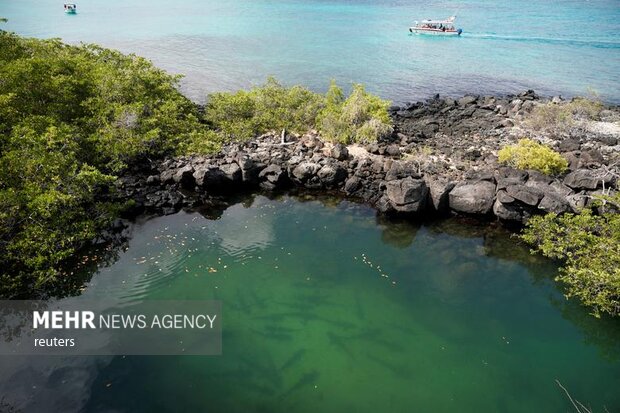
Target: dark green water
(327, 308)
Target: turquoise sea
(555, 47)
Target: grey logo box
(73, 327)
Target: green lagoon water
(328, 308)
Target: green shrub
(294, 108)
(362, 117)
(589, 246)
(246, 114)
(528, 154)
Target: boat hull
(435, 32)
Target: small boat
(70, 8)
(436, 27)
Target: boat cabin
(436, 27)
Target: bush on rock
(589, 246)
(528, 154)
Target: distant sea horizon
(565, 48)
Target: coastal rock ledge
(441, 159)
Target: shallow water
(328, 308)
(552, 46)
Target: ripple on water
(469, 309)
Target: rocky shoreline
(440, 160)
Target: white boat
(70, 8)
(436, 27)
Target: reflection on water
(328, 307)
(398, 233)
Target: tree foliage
(589, 246)
(70, 118)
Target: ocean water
(555, 47)
(328, 308)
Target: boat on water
(437, 27)
(70, 8)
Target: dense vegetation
(72, 118)
(529, 154)
(361, 117)
(589, 246)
